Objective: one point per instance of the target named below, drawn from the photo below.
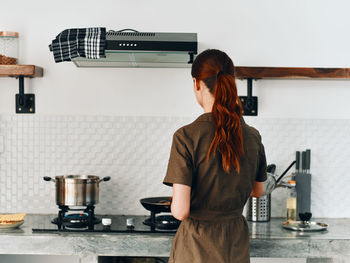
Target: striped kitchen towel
(79, 42)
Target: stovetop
(118, 226)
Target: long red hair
(216, 70)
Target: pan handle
(105, 179)
(48, 178)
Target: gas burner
(84, 220)
(75, 218)
(76, 221)
(163, 222)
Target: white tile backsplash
(134, 151)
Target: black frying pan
(157, 204)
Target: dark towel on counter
(79, 42)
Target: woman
(215, 164)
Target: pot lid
(85, 178)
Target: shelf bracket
(25, 103)
(249, 102)
(191, 57)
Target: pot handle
(105, 179)
(47, 178)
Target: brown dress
(215, 231)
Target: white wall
(254, 33)
(134, 152)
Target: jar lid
(8, 34)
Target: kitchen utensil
(303, 187)
(164, 222)
(271, 168)
(77, 190)
(304, 226)
(259, 209)
(285, 172)
(157, 204)
(303, 162)
(297, 162)
(269, 184)
(308, 160)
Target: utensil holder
(259, 209)
(303, 187)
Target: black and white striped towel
(79, 42)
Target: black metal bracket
(25, 103)
(249, 102)
(191, 57)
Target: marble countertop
(267, 240)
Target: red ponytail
(216, 70)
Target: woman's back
(212, 187)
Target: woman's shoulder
(203, 121)
(185, 131)
(250, 132)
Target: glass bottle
(292, 202)
(8, 48)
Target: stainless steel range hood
(145, 49)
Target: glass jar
(8, 48)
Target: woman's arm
(180, 205)
(258, 189)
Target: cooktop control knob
(130, 223)
(106, 221)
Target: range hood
(145, 49)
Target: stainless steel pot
(77, 190)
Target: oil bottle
(292, 202)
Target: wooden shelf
(25, 103)
(291, 73)
(21, 70)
